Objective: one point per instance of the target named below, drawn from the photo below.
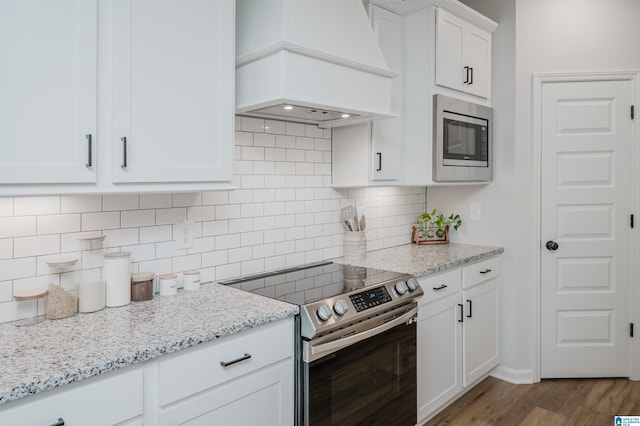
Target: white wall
(284, 214)
(533, 37)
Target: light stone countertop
(421, 260)
(56, 352)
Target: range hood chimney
(310, 61)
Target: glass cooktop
(310, 283)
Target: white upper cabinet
(81, 77)
(463, 55)
(172, 90)
(370, 153)
(48, 91)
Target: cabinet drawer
(97, 401)
(199, 368)
(440, 285)
(480, 272)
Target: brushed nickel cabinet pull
(124, 152)
(89, 150)
(235, 361)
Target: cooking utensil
(363, 223)
(348, 214)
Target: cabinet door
(386, 135)
(477, 54)
(48, 91)
(173, 73)
(463, 55)
(481, 338)
(108, 400)
(450, 71)
(264, 397)
(439, 354)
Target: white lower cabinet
(255, 387)
(189, 387)
(264, 397)
(112, 399)
(458, 333)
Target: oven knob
(324, 313)
(340, 307)
(412, 284)
(401, 287)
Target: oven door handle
(327, 348)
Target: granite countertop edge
(60, 376)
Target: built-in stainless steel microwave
(462, 141)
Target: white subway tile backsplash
(155, 201)
(121, 237)
(6, 291)
(243, 139)
(240, 225)
(241, 196)
(26, 206)
(120, 202)
(187, 199)
(275, 154)
(313, 131)
(215, 258)
(264, 139)
(36, 246)
(295, 129)
(201, 213)
(137, 218)
(17, 226)
(6, 248)
(215, 227)
(250, 124)
(58, 223)
(171, 216)
(274, 126)
(283, 141)
(284, 213)
(6, 207)
(17, 268)
(228, 241)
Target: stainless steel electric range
(355, 343)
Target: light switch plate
(475, 211)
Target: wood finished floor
(558, 402)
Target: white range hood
(311, 61)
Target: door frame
(538, 80)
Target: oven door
(364, 377)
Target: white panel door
(450, 70)
(586, 132)
(48, 89)
(173, 73)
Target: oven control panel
(332, 313)
(370, 298)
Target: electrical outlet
(475, 211)
(184, 235)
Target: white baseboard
(512, 375)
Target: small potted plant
(433, 227)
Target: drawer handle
(443, 286)
(60, 422)
(486, 271)
(228, 363)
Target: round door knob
(401, 288)
(340, 307)
(552, 246)
(324, 313)
(412, 284)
